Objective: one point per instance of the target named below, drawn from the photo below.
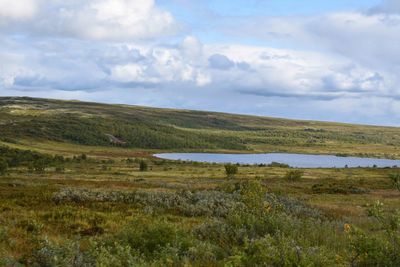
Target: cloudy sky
(336, 60)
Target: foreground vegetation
(95, 211)
(79, 187)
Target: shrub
(150, 238)
(187, 203)
(294, 175)
(143, 166)
(379, 248)
(280, 250)
(3, 166)
(333, 188)
(278, 165)
(118, 255)
(39, 165)
(51, 254)
(395, 178)
(231, 170)
(60, 168)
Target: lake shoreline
(295, 160)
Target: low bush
(187, 203)
(334, 188)
(278, 165)
(294, 175)
(3, 166)
(380, 248)
(395, 179)
(231, 170)
(143, 166)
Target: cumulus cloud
(115, 20)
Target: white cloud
(130, 73)
(17, 9)
(114, 20)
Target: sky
(331, 60)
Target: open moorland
(79, 187)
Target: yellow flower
(347, 227)
(267, 207)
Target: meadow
(69, 197)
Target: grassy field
(95, 207)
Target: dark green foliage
(3, 166)
(143, 166)
(150, 239)
(294, 175)
(278, 165)
(231, 170)
(32, 160)
(337, 188)
(136, 133)
(40, 165)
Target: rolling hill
(95, 124)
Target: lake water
(293, 160)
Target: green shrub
(40, 165)
(3, 166)
(278, 165)
(143, 166)
(334, 188)
(380, 248)
(280, 250)
(49, 254)
(231, 170)
(60, 168)
(118, 255)
(151, 238)
(395, 178)
(294, 175)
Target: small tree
(231, 170)
(395, 178)
(143, 166)
(294, 175)
(3, 166)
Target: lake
(293, 160)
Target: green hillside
(96, 124)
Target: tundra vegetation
(66, 202)
(231, 170)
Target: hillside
(94, 124)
